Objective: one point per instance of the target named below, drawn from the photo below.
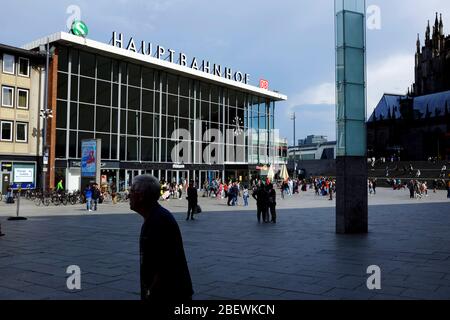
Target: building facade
(153, 116)
(411, 128)
(21, 83)
(432, 64)
(416, 126)
(314, 155)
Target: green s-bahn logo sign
(79, 28)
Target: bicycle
(42, 198)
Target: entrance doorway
(177, 176)
(208, 176)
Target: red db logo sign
(264, 84)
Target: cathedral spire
(441, 26)
(427, 33)
(418, 43)
(436, 23)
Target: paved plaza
(230, 255)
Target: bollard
(1, 234)
(17, 217)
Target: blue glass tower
(351, 161)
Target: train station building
(137, 97)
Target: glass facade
(135, 109)
(350, 77)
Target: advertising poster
(89, 158)
(24, 175)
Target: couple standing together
(266, 199)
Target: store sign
(7, 166)
(77, 164)
(148, 49)
(79, 28)
(178, 166)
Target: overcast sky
(288, 42)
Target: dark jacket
(95, 193)
(261, 197)
(164, 271)
(192, 195)
(272, 197)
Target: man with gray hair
(164, 271)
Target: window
(62, 85)
(103, 93)
(7, 97)
(61, 114)
(8, 64)
(6, 131)
(87, 90)
(24, 67)
(134, 75)
(103, 120)
(87, 64)
(134, 98)
(86, 117)
(60, 148)
(22, 99)
(104, 68)
(21, 132)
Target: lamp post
(293, 118)
(46, 113)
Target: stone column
(351, 161)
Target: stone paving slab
(231, 256)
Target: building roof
(126, 55)
(435, 103)
(314, 146)
(19, 51)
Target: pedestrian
(164, 272)
(10, 195)
(272, 202)
(192, 199)
(411, 189)
(59, 186)
(88, 196)
(206, 189)
(330, 190)
(225, 190)
(245, 196)
(95, 196)
(261, 197)
(230, 195)
(235, 194)
(374, 186)
(180, 191)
